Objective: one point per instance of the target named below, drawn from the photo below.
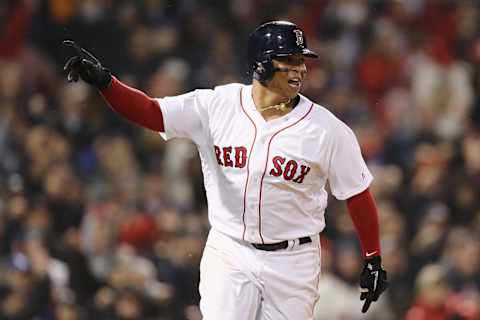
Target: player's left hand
(373, 281)
(86, 66)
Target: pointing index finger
(79, 50)
(70, 43)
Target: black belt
(279, 245)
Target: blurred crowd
(100, 219)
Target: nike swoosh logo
(369, 254)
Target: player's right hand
(84, 65)
(373, 281)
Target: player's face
(289, 83)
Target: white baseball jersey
(265, 180)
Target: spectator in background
(435, 300)
(462, 253)
(431, 293)
(26, 285)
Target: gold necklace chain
(280, 107)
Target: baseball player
(267, 153)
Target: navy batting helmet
(274, 39)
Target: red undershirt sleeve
(134, 105)
(363, 212)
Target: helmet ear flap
(263, 71)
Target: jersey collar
(295, 114)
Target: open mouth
(295, 83)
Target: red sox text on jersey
(237, 157)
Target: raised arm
(134, 105)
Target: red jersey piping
(265, 170)
(248, 165)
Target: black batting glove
(373, 281)
(84, 65)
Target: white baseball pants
(239, 282)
